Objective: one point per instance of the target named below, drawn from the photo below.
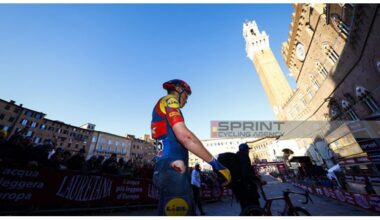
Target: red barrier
(45, 188)
(369, 202)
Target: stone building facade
(14, 118)
(332, 53)
(106, 144)
(261, 151)
(142, 150)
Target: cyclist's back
(165, 114)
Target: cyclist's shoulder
(170, 101)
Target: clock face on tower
(300, 52)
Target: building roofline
(21, 106)
(63, 123)
(107, 133)
(74, 126)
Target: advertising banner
(45, 189)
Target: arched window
(351, 114)
(365, 96)
(303, 101)
(314, 82)
(341, 27)
(321, 70)
(330, 53)
(310, 93)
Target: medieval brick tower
(272, 78)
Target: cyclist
(171, 175)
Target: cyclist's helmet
(170, 85)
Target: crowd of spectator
(19, 150)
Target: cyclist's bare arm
(191, 142)
(194, 145)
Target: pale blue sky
(105, 64)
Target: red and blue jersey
(166, 114)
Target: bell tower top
(254, 40)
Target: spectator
(121, 162)
(90, 165)
(15, 154)
(66, 157)
(77, 161)
(40, 153)
(128, 170)
(196, 186)
(111, 166)
(122, 166)
(57, 160)
(99, 163)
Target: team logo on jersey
(172, 102)
(176, 207)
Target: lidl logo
(176, 207)
(172, 103)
